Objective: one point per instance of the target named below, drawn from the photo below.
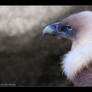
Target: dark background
(26, 57)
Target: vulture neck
(84, 78)
(75, 62)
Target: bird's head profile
(77, 28)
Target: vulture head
(77, 63)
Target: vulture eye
(65, 28)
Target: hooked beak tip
(47, 30)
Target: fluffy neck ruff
(77, 59)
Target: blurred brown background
(26, 57)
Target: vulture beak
(51, 29)
(59, 29)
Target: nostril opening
(62, 29)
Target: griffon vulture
(77, 63)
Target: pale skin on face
(81, 22)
